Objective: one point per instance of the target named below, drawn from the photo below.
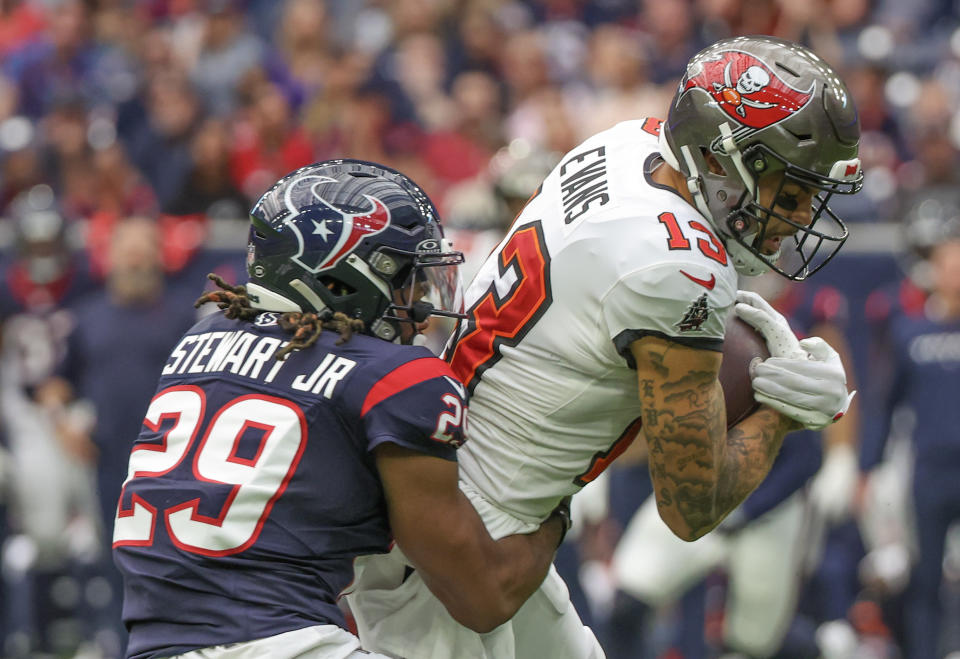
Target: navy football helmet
(354, 237)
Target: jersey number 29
(256, 481)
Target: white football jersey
(599, 257)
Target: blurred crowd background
(134, 135)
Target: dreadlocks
(305, 326)
(232, 300)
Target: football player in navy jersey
(295, 432)
(918, 335)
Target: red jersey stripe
(404, 376)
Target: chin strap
(266, 300)
(665, 151)
(730, 149)
(693, 179)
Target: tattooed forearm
(700, 472)
(751, 447)
(683, 420)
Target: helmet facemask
(731, 200)
(424, 282)
(812, 244)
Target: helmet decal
(338, 230)
(746, 89)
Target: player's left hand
(810, 390)
(803, 380)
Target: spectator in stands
(158, 139)
(122, 336)
(301, 58)
(208, 188)
(228, 53)
(480, 35)
(933, 173)
(461, 150)
(21, 168)
(64, 143)
(670, 38)
(921, 373)
(268, 140)
(105, 188)
(525, 72)
(327, 115)
(50, 474)
(20, 22)
(617, 71)
(59, 62)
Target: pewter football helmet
(762, 105)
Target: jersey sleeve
(419, 405)
(684, 302)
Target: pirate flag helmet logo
(748, 90)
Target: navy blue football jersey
(252, 485)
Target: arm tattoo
(701, 471)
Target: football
(741, 345)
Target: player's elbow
(482, 604)
(687, 529)
(482, 616)
(689, 535)
(684, 532)
(484, 623)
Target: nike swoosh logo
(706, 283)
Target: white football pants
(764, 562)
(319, 642)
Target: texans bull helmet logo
(338, 232)
(747, 89)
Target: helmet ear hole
(336, 287)
(403, 274)
(713, 163)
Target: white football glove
(803, 380)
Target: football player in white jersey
(603, 310)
